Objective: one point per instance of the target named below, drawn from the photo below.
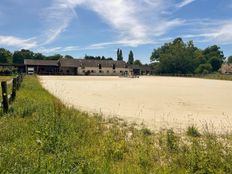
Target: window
(114, 71)
(121, 71)
(92, 71)
(108, 71)
(99, 66)
(114, 66)
(100, 71)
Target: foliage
(68, 57)
(5, 56)
(204, 69)
(97, 58)
(41, 135)
(8, 71)
(119, 54)
(131, 58)
(178, 57)
(19, 56)
(229, 60)
(137, 62)
(193, 132)
(55, 57)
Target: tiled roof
(40, 62)
(76, 63)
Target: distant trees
(68, 57)
(131, 58)
(19, 56)
(184, 58)
(5, 56)
(97, 58)
(137, 62)
(229, 60)
(119, 54)
(55, 57)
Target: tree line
(18, 57)
(178, 57)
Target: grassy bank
(218, 77)
(41, 135)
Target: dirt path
(159, 102)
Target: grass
(5, 78)
(219, 76)
(41, 135)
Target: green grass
(218, 76)
(5, 78)
(41, 135)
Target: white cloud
(133, 20)
(184, 3)
(17, 42)
(211, 31)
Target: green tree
(5, 56)
(137, 62)
(19, 56)
(214, 56)
(119, 54)
(131, 58)
(204, 69)
(39, 56)
(229, 60)
(68, 57)
(216, 63)
(55, 57)
(176, 57)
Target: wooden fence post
(14, 87)
(17, 83)
(5, 104)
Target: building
(226, 69)
(83, 67)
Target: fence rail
(9, 98)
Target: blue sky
(99, 27)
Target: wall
(104, 71)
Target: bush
(204, 69)
(193, 132)
(8, 71)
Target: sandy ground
(158, 102)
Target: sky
(100, 27)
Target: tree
(19, 56)
(119, 54)
(5, 56)
(214, 56)
(204, 69)
(55, 57)
(39, 56)
(137, 62)
(175, 57)
(229, 60)
(216, 63)
(131, 58)
(68, 57)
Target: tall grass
(41, 135)
(219, 76)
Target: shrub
(193, 132)
(204, 69)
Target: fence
(8, 99)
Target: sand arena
(158, 102)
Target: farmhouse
(83, 67)
(226, 69)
